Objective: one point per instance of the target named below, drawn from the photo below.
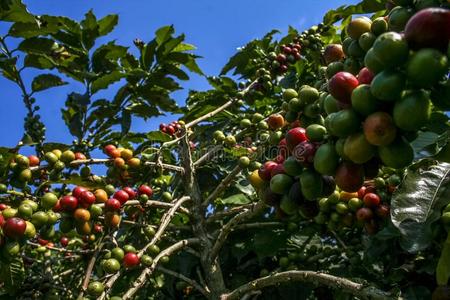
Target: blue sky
(217, 28)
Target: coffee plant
(316, 167)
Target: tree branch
(222, 214)
(90, 267)
(225, 231)
(165, 220)
(223, 185)
(192, 282)
(317, 278)
(152, 203)
(207, 156)
(140, 281)
(210, 114)
(96, 161)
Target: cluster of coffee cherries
(172, 128)
(289, 54)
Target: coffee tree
(318, 169)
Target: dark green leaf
(15, 11)
(184, 47)
(27, 30)
(238, 199)
(13, 274)
(175, 71)
(443, 267)
(90, 29)
(37, 45)
(158, 136)
(38, 61)
(164, 33)
(104, 81)
(417, 204)
(125, 121)
(107, 24)
(148, 54)
(46, 81)
(105, 58)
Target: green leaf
(417, 203)
(125, 121)
(107, 24)
(46, 81)
(27, 30)
(104, 81)
(238, 199)
(177, 72)
(38, 61)
(443, 267)
(13, 274)
(192, 66)
(344, 11)
(164, 33)
(90, 29)
(15, 11)
(158, 136)
(105, 58)
(148, 54)
(184, 47)
(37, 45)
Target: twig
(192, 282)
(317, 278)
(225, 231)
(90, 267)
(339, 239)
(207, 156)
(165, 220)
(165, 166)
(210, 114)
(151, 203)
(96, 161)
(61, 249)
(140, 281)
(222, 214)
(258, 225)
(222, 185)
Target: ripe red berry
(68, 203)
(382, 211)
(130, 260)
(2, 220)
(98, 228)
(108, 149)
(122, 196)
(14, 228)
(87, 198)
(34, 160)
(79, 156)
(146, 190)
(57, 207)
(295, 136)
(64, 241)
(131, 193)
(364, 214)
(361, 192)
(42, 242)
(265, 171)
(371, 200)
(170, 130)
(3, 206)
(112, 204)
(77, 191)
(162, 126)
